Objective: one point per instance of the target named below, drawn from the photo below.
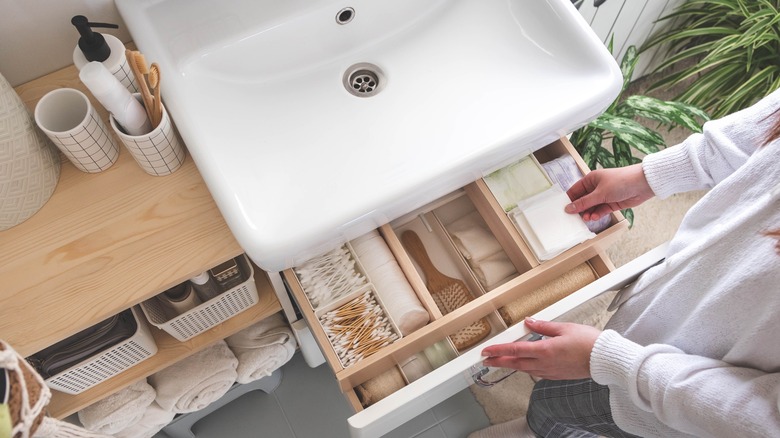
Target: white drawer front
(444, 382)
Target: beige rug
(656, 222)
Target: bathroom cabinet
(429, 222)
(105, 242)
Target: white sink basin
(297, 164)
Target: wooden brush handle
(143, 87)
(416, 249)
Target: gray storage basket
(108, 363)
(206, 315)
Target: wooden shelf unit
(105, 242)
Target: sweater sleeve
(705, 159)
(692, 394)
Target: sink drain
(364, 80)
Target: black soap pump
(104, 48)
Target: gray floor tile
(255, 414)
(311, 399)
(465, 422)
(459, 402)
(308, 404)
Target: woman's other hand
(606, 190)
(563, 355)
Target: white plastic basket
(108, 363)
(206, 315)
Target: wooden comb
(448, 293)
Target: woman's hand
(563, 355)
(606, 190)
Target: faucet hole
(345, 16)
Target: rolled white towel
(119, 410)
(197, 381)
(262, 348)
(154, 419)
(492, 271)
(472, 237)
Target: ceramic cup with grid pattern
(159, 152)
(73, 124)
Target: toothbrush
(137, 64)
(154, 83)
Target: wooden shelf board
(169, 351)
(103, 242)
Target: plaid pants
(572, 409)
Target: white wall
(631, 22)
(36, 37)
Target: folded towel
(494, 270)
(53, 428)
(472, 237)
(119, 410)
(154, 419)
(262, 348)
(196, 381)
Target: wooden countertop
(103, 242)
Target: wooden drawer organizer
(430, 224)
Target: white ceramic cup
(68, 118)
(159, 152)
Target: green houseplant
(727, 48)
(618, 126)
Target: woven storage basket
(108, 363)
(206, 315)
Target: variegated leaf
(662, 111)
(630, 131)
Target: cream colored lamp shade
(29, 164)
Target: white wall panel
(631, 22)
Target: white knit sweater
(695, 351)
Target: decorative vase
(29, 163)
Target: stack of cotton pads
(547, 228)
(563, 171)
(390, 283)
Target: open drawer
(501, 275)
(415, 398)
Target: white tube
(107, 89)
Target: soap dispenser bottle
(107, 49)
